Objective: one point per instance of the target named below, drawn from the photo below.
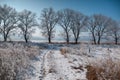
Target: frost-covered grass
(38, 61)
(101, 62)
(15, 60)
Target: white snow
(53, 65)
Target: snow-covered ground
(71, 65)
(66, 62)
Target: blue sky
(110, 8)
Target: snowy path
(57, 67)
(38, 66)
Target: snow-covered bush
(15, 61)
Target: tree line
(72, 22)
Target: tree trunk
(99, 38)
(116, 41)
(26, 40)
(5, 38)
(94, 39)
(25, 37)
(76, 40)
(49, 39)
(67, 39)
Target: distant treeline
(72, 22)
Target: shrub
(15, 61)
(108, 69)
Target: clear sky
(110, 8)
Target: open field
(42, 61)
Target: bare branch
(49, 19)
(27, 22)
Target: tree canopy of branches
(98, 27)
(65, 22)
(48, 19)
(114, 31)
(8, 20)
(78, 22)
(27, 23)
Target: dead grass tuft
(64, 51)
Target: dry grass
(91, 73)
(15, 61)
(64, 51)
(108, 69)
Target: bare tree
(114, 31)
(78, 22)
(91, 28)
(65, 22)
(49, 19)
(98, 27)
(8, 20)
(27, 23)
